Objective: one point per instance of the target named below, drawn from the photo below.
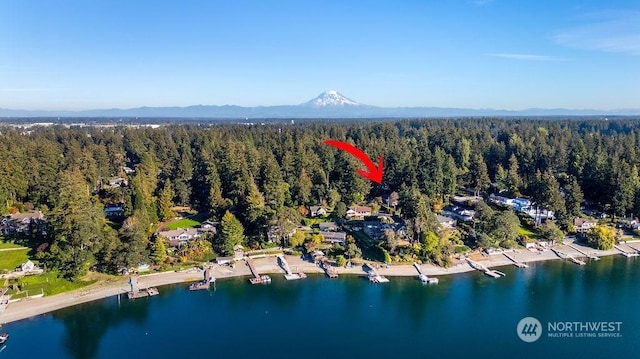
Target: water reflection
(86, 324)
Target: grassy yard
(183, 223)
(524, 231)
(9, 260)
(8, 244)
(47, 283)
(188, 222)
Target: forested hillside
(265, 173)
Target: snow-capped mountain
(331, 99)
(330, 104)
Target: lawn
(188, 222)
(47, 283)
(523, 231)
(8, 244)
(183, 223)
(9, 260)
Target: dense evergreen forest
(264, 174)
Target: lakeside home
(522, 205)
(334, 237)
(180, 236)
(584, 225)
(18, 223)
(360, 212)
(317, 211)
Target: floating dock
(257, 278)
(485, 270)
(287, 271)
(632, 253)
(515, 262)
(568, 256)
(205, 283)
(373, 276)
(588, 255)
(137, 292)
(423, 277)
(329, 270)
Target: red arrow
(374, 173)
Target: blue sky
(498, 54)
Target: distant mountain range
(330, 104)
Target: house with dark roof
(328, 227)
(334, 237)
(317, 211)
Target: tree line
(263, 174)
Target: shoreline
(29, 308)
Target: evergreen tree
(165, 203)
(574, 197)
(232, 232)
(76, 226)
(513, 180)
(304, 188)
(501, 179)
(158, 251)
(480, 175)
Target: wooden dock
(205, 283)
(257, 278)
(288, 274)
(329, 270)
(568, 256)
(632, 253)
(423, 277)
(485, 270)
(373, 276)
(588, 255)
(137, 292)
(515, 262)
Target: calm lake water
(465, 315)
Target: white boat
(424, 279)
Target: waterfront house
(334, 237)
(501, 201)
(224, 260)
(209, 226)
(356, 211)
(118, 182)
(459, 213)
(583, 225)
(317, 211)
(113, 210)
(18, 223)
(520, 203)
(28, 266)
(328, 227)
(180, 236)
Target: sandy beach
(36, 306)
